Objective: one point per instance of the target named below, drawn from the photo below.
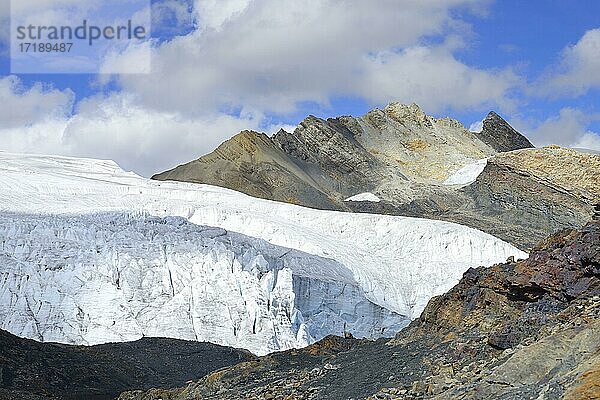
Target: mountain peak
(493, 115)
(406, 159)
(501, 136)
(401, 111)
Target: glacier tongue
(114, 277)
(347, 272)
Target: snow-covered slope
(395, 262)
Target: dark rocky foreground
(404, 157)
(32, 370)
(520, 330)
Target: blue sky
(532, 34)
(222, 66)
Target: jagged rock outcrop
(32, 370)
(416, 165)
(326, 161)
(498, 134)
(527, 329)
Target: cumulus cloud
(25, 107)
(570, 128)
(146, 141)
(590, 140)
(34, 119)
(273, 54)
(114, 127)
(476, 127)
(262, 57)
(579, 70)
(136, 58)
(213, 14)
(434, 78)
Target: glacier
(93, 254)
(116, 277)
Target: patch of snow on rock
(370, 197)
(468, 174)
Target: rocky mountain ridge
(409, 161)
(324, 162)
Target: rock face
(498, 134)
(416, 165)
(32, 370)
(527, 329)
(252, 161)
(533, 191)
(326, 161)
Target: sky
(222, 66)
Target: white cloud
(262, 57)
(147, 141)
(590, 140)
(274, 128)
(433, 78)
(565, 129)
(25, 107)
(476, 127)
(568, 129)
(213, 14)
(272, 54)
(579, 70)
(42, 137)
(113, 127)
(136, 58)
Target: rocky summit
(518, 330)
(400, 161)
(324, 162)
(499, 135)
